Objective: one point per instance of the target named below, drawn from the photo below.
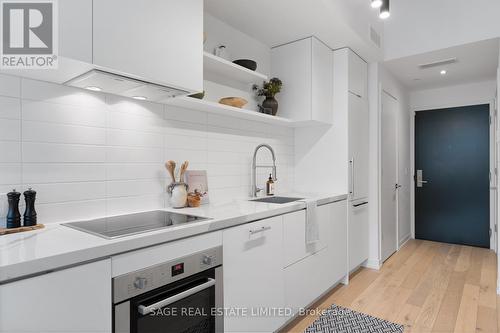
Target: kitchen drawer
(307, 280)
(294, 235)
(132, 261)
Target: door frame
(493, 217)
(396, 130)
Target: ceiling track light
(376, 3)
(384, 10)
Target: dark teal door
(452, 157)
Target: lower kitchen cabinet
(358, 233)
(253, 275)
(337, 242)
(76, 299)
(316, 272)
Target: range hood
(98, 80)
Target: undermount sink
(277, 200)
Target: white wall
(459, 95)
(421, 26)
(91, 154)
(382, 80)
(391, 85)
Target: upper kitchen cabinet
(358, 75)
(159, 41)
(75, 30)
(306, 69)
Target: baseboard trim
(373, 264)
(404, 240)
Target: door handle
(419, 179)
(397, 186)
(144, 310)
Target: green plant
(269, 88)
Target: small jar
(178, 194)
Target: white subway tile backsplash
(10, 152)
(122, 171)
(62, 153)
(91, 154)
(56, 133)
(70, 211)
(10, 85)
(116, 137)
(10, 174)
(134, 155)
(61, 173)
(129, 188)
(10, 108)
(130, 121)
(123, 205)
(10, 129)
(65, 192)
(64, 114)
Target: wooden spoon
(184, 167)
(170, 166)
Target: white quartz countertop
(57, 246)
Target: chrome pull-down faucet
(255, 189)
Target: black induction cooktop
(131, 224)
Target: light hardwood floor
(426, 286)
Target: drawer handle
(256, 231)
(360, 204)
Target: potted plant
(269, 89)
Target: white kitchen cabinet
(160, 41)
(337, 240)
(358, 233)
(307, 280)
(76, 299)
(294, 235)
(312, 275)
(75, 30)
(358, 146)
(358, 75)
(306, 69)
(253, 275)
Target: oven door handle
(144, 310)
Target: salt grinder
(13, 214)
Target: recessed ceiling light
(93, 88)
(384, 10)
(140, 98)
(376, 3)
(443, 72)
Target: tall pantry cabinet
(351, 97)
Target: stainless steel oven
(183, 295)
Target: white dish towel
(312, 227)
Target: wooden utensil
(170, 166)
(184, 167)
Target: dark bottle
(30, 212)
(13, 215)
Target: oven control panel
(135, 283)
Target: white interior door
(389, 176)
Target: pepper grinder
(30, 212)
(13, 215)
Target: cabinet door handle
(352, 177)
(144, 310)
(261, 229)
